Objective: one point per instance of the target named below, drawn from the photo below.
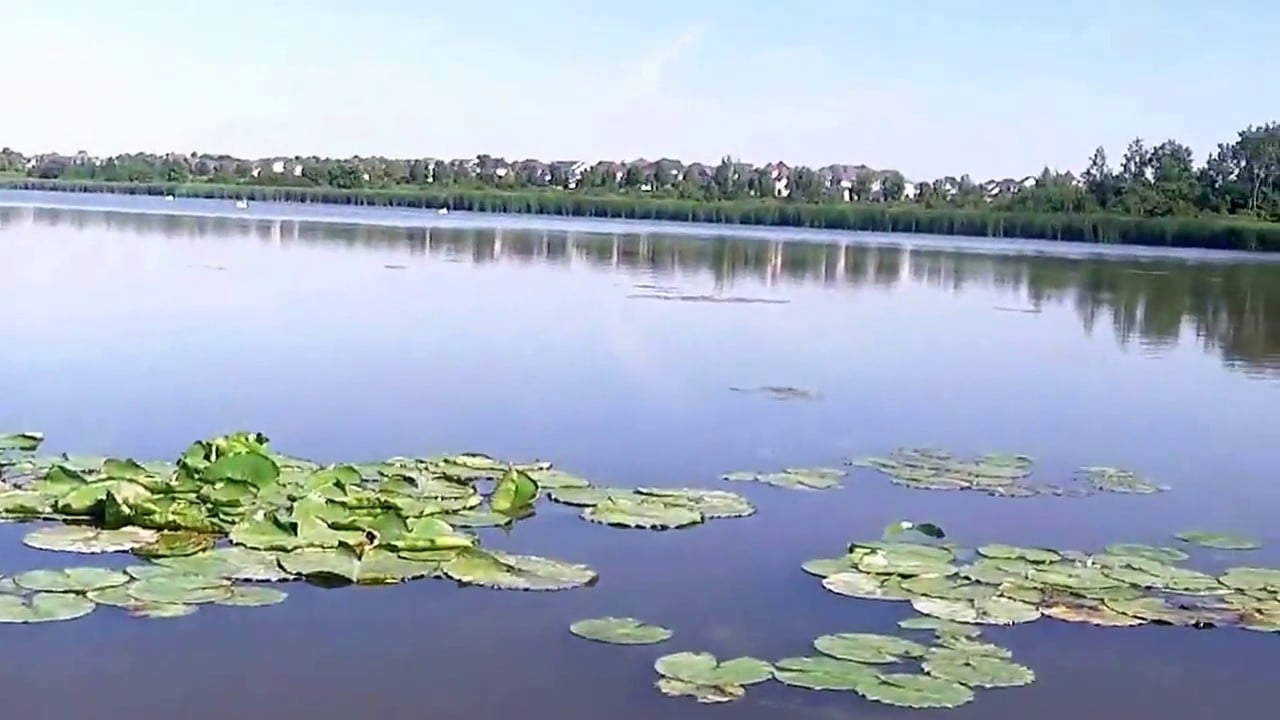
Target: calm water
(135, 331)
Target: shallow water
(133, 333)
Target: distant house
(780, 174)
(277, 167)
(910, 190)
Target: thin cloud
(649, 75)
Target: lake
(137, 326)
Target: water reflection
(1231, 308)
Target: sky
(992, 88)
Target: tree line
(1155, 195)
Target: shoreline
(423, 218)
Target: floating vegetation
(823, 673)
(1218, 541)
(1130, 584)
(232, 510)
(779, 392)
(996, 474)
(652, 508)
(868, 647)
(817, 478)
(620, 631)
(702, 676)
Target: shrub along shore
(1225, 233)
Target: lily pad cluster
(997, 474)
(814, 478)
(652, 508)
(884, 668)
(232, 510)
(1127, 584)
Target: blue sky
(930, 87)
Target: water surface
(133, 333)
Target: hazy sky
(931, 87)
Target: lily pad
(702, 668)
(87, 539)
(374, 567)
(823, 673)
(160, 611)
(1147, 552)
(1157, 610)
(175, 544)
(504, 571)
(588, 496)
(1072, 577)
(24, 503)
(943, 628)
(44, 607)
(642, 515)
(995, 611)
(1218, 541)
(825, 567)
(1091, 612)
(712, 504)
(620, 631)
(866, 586)
(899, 559)
(916, 691)
(21, 442)
(868, 647)
(1249, 578)
(180, 589)
(477, 519)
(553, 479)
(706, 694)
(967, 646)
(1107, 479)
(793, 478)
(979, 671)
(70, 580)
(252, 596)
(231, 563)
(995, 572)
(1010, 552)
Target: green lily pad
(1021, 590)
(179, 589)
(1009, 552)
(620, 631)
(87, 539)
(230, 563)
(1092, 612)
(905, 560)
(115, 596)
(823, 673)
(825, 567)
(994, 611)
(995, 572)
(706, 694)
(916, 691)
(1157, 610)
(1147, 552)
(866, 586)
(1072, 577)
(175, 544)
(21, 442)
(702, 668)
(943, 628)
(477, 519)
(642, 515)
(792, 478)
(1218, 541)
(25, 503)
(374, 567)
(1107, 479)
(252, 596)
(712, 504)
(588, 496)
(70, 580)
(979, 671)
(868, 647)
(940, 586)
(969, 647)
(514, 493)
(504, 571)
(44, 607)
(1169, 578)
(1249, 578)
(552, 479)
(160, 611)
